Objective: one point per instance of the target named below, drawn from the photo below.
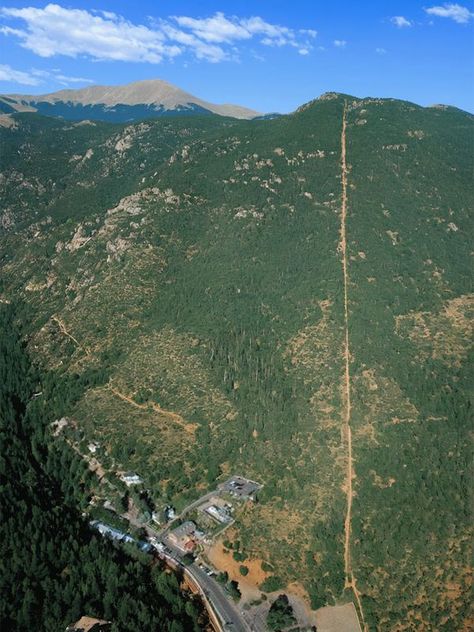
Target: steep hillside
(288, 299)
(54, 568)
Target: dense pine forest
(184, 306)
(54, 568)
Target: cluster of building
(115, 534)
(216, 507)
(110, 532)
(186, 537)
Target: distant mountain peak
(140, 99)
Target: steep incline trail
(350, 581)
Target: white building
(130, 478)
(219, 514)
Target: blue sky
(271, 55)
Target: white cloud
(7, 73)
(310, 32)
(55, 74)
(400, 21)
(340, 43)
(76, 32)
(216, 29)
(102, 35)
(455, 12)
(380, 51)
(35, 76)
(66, 79)
(220, 29)
(188, 41)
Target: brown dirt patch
(445, 335)
(379, 398)
(224, 561)
(380, 482)
(338, 619)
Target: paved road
(222, 604)
(199, 501)
(224, 608)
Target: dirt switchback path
(62, 328)
(177, 419)
(350, 580)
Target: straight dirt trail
(350, 580)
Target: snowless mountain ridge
(152, 92)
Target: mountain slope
(61, 568)
(250, 277)
(141, 99)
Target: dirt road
(350, 580)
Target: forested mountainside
(54, 569)
(289, 299)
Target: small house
(131, 478)
(89, 624)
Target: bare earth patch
(224, 561)
(338, 619)
(445, 335)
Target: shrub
(272, 583)
(280, 614)
(233, 588)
